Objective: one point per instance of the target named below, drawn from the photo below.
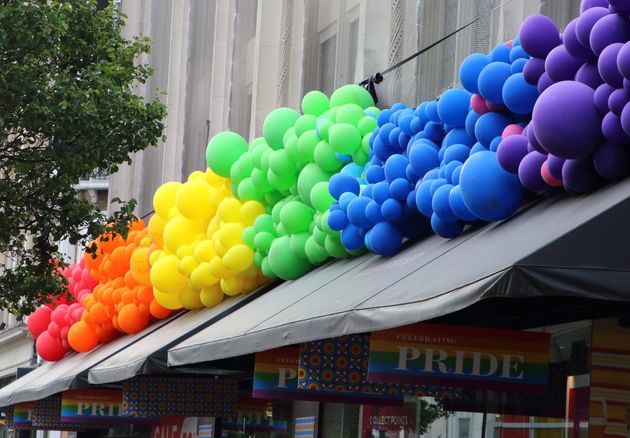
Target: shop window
(463, 426)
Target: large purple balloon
(587, 4)
(579, 176)
(612, 130)
(621, 7)
(554, 165)
(511, 151)
(566, 121)
(612, 161)
(529, 172)
(623, 60)
(625, 119)
(607, 65)
(601, 96)
(538, 35)
(560, 65)
(573, 45)
(617, 101)
(608, 30)
(533, 70)
(589, 75)
(585, 24)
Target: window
(327, 64)
(463, 427)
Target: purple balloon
(607, 65)
(589, 75)
(538, 35)
(511, 151)
(561, 66)
(544, 82)
(617, 101)
(533, 70)
(612, 130)
(602, 94)
(625, 119)
(529, 172)
(566, 121)
(623, 60)
(626, 86)
(579, 176)
(554, 165)
(533, 141)
(587, 4)
(585, 24)
(608, 30)
(573, 45)
(622, 7)
(612, 161)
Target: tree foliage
(67, 107)
(430, 412)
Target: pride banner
(95, 406)
(23, 415)
(431, 354)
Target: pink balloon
(37, 322)
(54, 329)
(76, 273)
(513, 129)
(82, 263)
(48, 348)
(64, 333)
(72, 307)
(548, 177)
(77, 314)
(58, 316)
(510, 43)
(478, 104)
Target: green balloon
(223, 150)
(264, 160)
(367, 125)
(281, 164)
(258, 259)
(289, 133)
(296, 217)
(256, 142)
(242, 168)
(320, 196)
(320, 236)
(247, 192)
(249, 234)
(314, 252)
(266, 269)
(324, 127)
(374, 110)
(283, 263)
(273, 197)
(350, 113)
(264, 223)
(257, 152)
(306, 146)
(344, 138)
(360, 157)
(324, 225)
(291, 146)
(277, 123)
(325, 157)
(281, 182)
(262, 241)
(305, 123)
(310, 175)
(365, 143)
(298, 242)
(259, 180)
(351, 94)
(315, 103)
(281, 231)
(334, 248)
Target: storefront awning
(560, 246)
(70, 372)
(149, 355)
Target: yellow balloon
(145, 242)
(164, 198)
(211, 296)
(251, 272)
(250, 210)
(155, 256)
(231, 234)
(213, 179)
(250, 284)
(197, 175)
(180, 231)
(183, 251)
(204, 251)
(201, 276)
(218, 248)
(232, 285)
(168, 301)
(165, 276)
(193, 200)
(187, 265)
(156, 228)
(238, 258)
(229, 210)
(216, 196)
(213, 227)
(217, 269)
(190, 299)
(139, 266)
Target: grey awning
(560, 246)
(149, 355)
(70, 372)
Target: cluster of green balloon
(288, 170)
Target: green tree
(67, 107)
(430, 412)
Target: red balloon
(38, 321)
(48, 348)
(59, 315)
(54, 330)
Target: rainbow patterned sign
(93, 406)
(275, 374)
(23, 415)
(431, 354)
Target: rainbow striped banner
(23, 415)
(431, 354)
(95, 406)
(276, 374)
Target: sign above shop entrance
(430, 354)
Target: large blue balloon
(518, 95)
(384, 239)
(469, 71)
(423, 158)
(341, 183)
(491, 80)
(489, 192)
(489, 126)
(453, 107)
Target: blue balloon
(352, 169)
(494, 144)
(351, 238)
(469, 71)
(440, 203)
(337, 220)
(384, 131)
(404, 122)
(456, 202)
(471, 120)
(411, 175)
(501, 53)
(518, 66)
(490, 125)
(421, 112)
(399, 106)
(395, 167)
(373, 212)
(382, 150)
(518, 53)
(423, 158)
(437, 183)
(424, 198)
(345, 199)
(385, 239)
(434, 132)
(374, 160)
(442, 171)
(491, 80)
(340, 183)
(399, 189)
(334, 207)
(380, 192)
(431, 174)
(367, 190)
(393, 136)
(455, 175)
(457, 135)
(431, 111)
(477, 147)
(403, 140)
(450, 168)
(374, 174)
(416, 125)
(383, 116)
(411, 200)
(415, 227)
(456, 152)
(453, 107)
(445, 229)
(344, 158)
(392, 211)
(356, 212)
(490, 192)
(518, 95)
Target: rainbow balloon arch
(541, 112)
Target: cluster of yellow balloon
(201, 256)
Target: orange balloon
(115, 323)
(157, 311)
(145, 295)
(82, 337)
(128, 296)
(131, 320)
(144, 309)
(98, 313)
(130, 280)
